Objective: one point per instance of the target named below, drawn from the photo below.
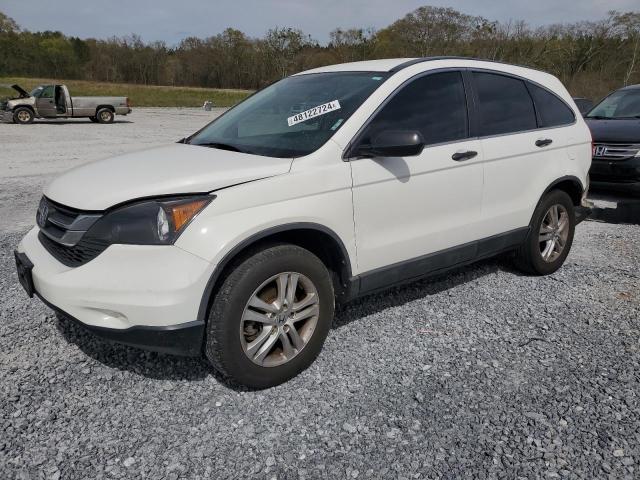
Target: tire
(537, 255)
(234, 344)
(23, 116)
(93, 119)
(105, 115)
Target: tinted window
(505, 104)
(551, 110)
(434, 105)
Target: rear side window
(505, 105)
(434, 105)
(551, 110)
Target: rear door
(521, 159)
(45, 103)
(405, 208)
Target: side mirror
(393, 143)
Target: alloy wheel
(279, 319)
(554, 232)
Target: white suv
(330, 184)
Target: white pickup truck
(54, 101)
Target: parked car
(54, 101)
(584, 104)
(328, 185)
(615, 128)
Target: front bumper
(144, 296)
(624, 174)
(185, 339)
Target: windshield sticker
(314, 112)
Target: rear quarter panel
(86, 106)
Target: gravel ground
(483, 373)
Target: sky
(173, 20)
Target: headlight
(149, 222)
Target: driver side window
(434, 105)
(47, 92)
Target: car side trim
(215, 276)
(435, 263)
(557, 181)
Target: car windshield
(620, 104)
(293, 117)
(36, 92)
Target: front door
(46, 103)
(405, 208)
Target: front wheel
(270, 317)
(93, 119)
(550, 235)
(23, 115)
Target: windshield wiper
(598, 117)
(220, 146)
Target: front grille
(62, 233)
(75, 256)
(615, 151)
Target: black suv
(615, 129)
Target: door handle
(543, 142)
(463, 155)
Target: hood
(621, 131)
(21, 91)
(173, 169)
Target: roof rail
(408, 63)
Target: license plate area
(24, 268)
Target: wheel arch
(318, 239)
(569, 184)
(110, 107)
(30, 107)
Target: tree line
(590, 57)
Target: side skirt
(434, 263)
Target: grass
(140, 95)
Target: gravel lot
(483, 373)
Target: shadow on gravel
(72, 122)
(623, 210)
(409, 292)
(169, 367)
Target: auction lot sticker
(314, 112)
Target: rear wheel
(270, 317)
(550, 235)
(105, 115)
(23, 115)
(93, 119)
